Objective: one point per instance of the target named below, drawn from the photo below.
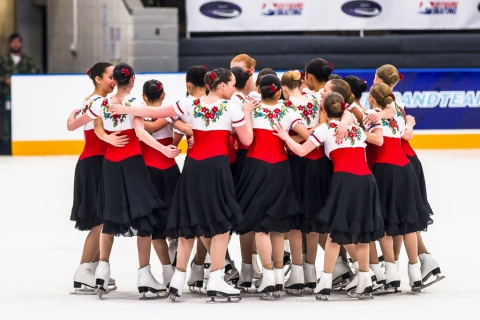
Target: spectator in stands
(14, 62)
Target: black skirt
(204, 201)
(164, 182)
(418, 169)
(266, 196)
(311, 182)
(239, 164)
(401, 202)
(130, 205)
(352, 213)
(88, 173)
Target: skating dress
(311, 174)
(204, 201)
(403, 209)
(163, 171)
(130, 204)
(352, 211)
(265, 190)
(88, 172)
(242, 150)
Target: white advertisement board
(311, 15)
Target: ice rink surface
(41, 249)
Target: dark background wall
(288, 52)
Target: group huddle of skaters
(286, 163)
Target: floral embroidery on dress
(354, 133)
(273, 116)
(116, 118)
(391, 123)
(239, 96)
(150, 119)
(89, 105)
(308, 112)
(400, 112)
(208, 115)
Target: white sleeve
(184, 106)
(294, 117)
(238, 118)
(136, 102)
(319, 135)
(96, 109)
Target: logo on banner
(282, 9)
(220, 10)
(438, 7)
(362, 9)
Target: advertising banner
(311, 15)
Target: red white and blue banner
(262, 15)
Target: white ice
(41, 249)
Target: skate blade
(439, 278)
(383, 291)
(322, 297)
(84, 292)
(267, 296)
(294, 292)
(100, 292)
(232, 276)
(112, 287)
(196, 290)
(155, 297)
(277, 294)
(233, 299)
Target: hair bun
(295, 75)
(394, 77)
(387, 100)
(152, 88)
(327, 70)
(361, 86)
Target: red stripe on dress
(154, 158)
(94, 146)
(350, 160)
(294, 122)
(132, 148)
(267, 147)
(92, 112)
(178, 106)
(238, 121)
(313, 135)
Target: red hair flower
(330, 65)
(213, 77)
(393, 96)
(125, 72)
(159, 86)
(273, 88)
(344, 106)
(248, 71)
(302, 74)
(202, 65)
(89, 71)
(400, 76)
(363, 80)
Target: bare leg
(246, 245)
(161, 248)
(295, 238)
(373, 253)
(331, 254)
(421, 245)
(343, 253)
(361, 250)
(97, 256)
(185, 247)
(264, 246)
(411, 246)
(254, 246)
(304, 243)
(201, 251)
(312, 246)
(91, 247)
(322, 240)
(351, 249)
(277, 248)
(144, 247)
(386, 243)
(397, 246)
(218, 249)
(106, 243)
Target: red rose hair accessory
(392, 96)
(125, 72)
(400, 76)
(363, 80)
(202, 65)
(213, 77)
(273, 88)
(89, 71)
(159, 86)
(248, 71)
(330, 65)
(344, 106)
(302, 75)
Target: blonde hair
(342, 87)
(249, 61)
(389, 74)
(292, 79)
(382, 93)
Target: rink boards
(444, 102)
